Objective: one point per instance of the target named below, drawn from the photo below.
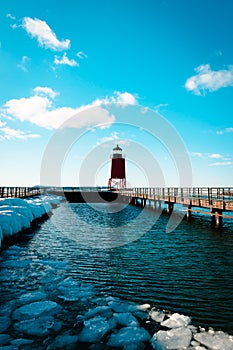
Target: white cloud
(160, 105)
(207, 80)
(43, 33)
(199, 154)
(14, 26)
(7, 133)
(2, 124)
(65, 60)
(144, 110)
(125, 98)
(9, 15)
(207, 155)
(221, 163)
(225, 131)
(81, 55)
(121, 98)
(113, 137)
(215, 156)
(44, 90)
(24, 62)
(39, 110)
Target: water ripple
(188, 270)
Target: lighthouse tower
(117, 179)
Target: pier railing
(182, 192)
(205, 197)
(19, 192)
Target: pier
(19, 192)
(217, 200)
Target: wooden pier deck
(19, 192)
(218, 200)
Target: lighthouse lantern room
(117, 179)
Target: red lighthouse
(117, 179)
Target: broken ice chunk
(36, 326)
(94, 329)
(174, 339)
(176, 320)
(128, 335)
(217, 341)
(126, 319)
(35, 309)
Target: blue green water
(188, 270)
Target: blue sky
(172, 58)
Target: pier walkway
(217, 200)
(19, 192)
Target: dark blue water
(189, 270)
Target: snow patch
(17, 214)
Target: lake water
(188, 270)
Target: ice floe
(64, 341)
(215, 340)
(36, 326)
(128, 335)
(36, 309)
(4, 339)
(95, 328)
(27, 298)
(176, 338)
(62, 312)
(176, 320)
(17, 214)
(4, 323)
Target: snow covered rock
(36, 309)
(174, 339)
(17, 214)
(176, 320)
(215, 340)
(128, 335)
